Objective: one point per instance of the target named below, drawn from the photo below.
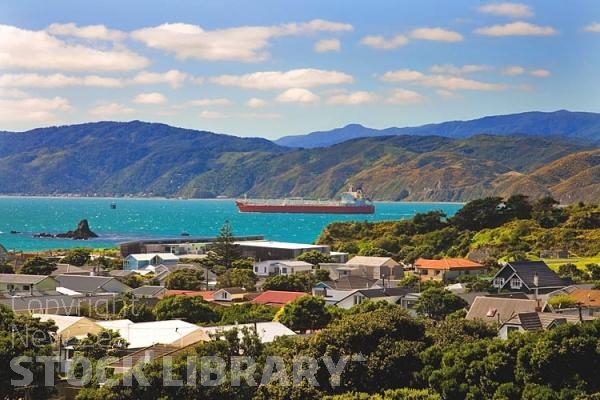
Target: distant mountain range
(148, 159)
(581, 126)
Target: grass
(580, 262)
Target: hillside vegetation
(143, 159)
(484, 229)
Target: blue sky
(274, 68)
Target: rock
(82, 232)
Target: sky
(273, 68)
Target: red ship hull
(305, 209)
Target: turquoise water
(152, 218)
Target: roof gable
(370, 261)
(526, 270)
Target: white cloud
(402, 75)
(436, 34)
(260, 115)
(447, 94)
(109, 110)
(449, 69)
(513, 70)
(246, 43)
(255, 102)
(91, 32)
(518, 28)
(173, 77)
(57, 80)
(353, 98)
(539, 73)
(593, 27)
(209, 102)
(32, 109)
(212, 114)
(297, 95)
(12, 93)
(448, 82)
(21, 48)
(381, 43)
(150, 98)
(297, 78)
(325, 45)
(511, 10)
(403, 96)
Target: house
(277, 298)
(139, 261)
(144, 334)
(148, 291)
(146, 355)
(269, 250)
(497, 310)
(266, 331)
(54, 303)
(374, 267)
(26, 283)
(281, 267)
(527, 276)
(230, 294)
(391, 295)
(347, 283)
(586, 299)
(535, 321)
(77, 284)
(68, 269)
(446, 269)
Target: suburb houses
(446, 269)
(529, 277)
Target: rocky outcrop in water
(82, 232)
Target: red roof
(447, 264)
(206, 295)
(277, 297)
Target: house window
(498, 282)
(510, 330)
(25, 287)
(255, 270)
(515, 283)
(358, 299)
(284, 270)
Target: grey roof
(546, 277)
(351, 282)
(120, 273)
(69, 269)
(498, 309)
(84, 284)
(537, 321)
(384, 292)
(22, 278)
(148, 290)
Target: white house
(281, 267)
(139, 261)
(229, 294)
(391, 295)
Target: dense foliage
(186, 279)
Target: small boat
(14, 232)
(184, 233)
(113, 205)
(351, 202)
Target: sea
(134, 218)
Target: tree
(594, 271)
(314, 257)
(246, 313)
(436, 303)
(305, 313)
(96, 346)
(570, 270)
(322, 275)
(6, 268)
(133, 281)
(429, 222)
(236, 277)
(479, 214)
(136, 313)
(224, 251)
(518, 207)
(77, 257)
(193, 309)
(38, 266)
(291, 283)
(185, 279)
(243, 263)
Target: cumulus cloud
(297, 95)
(593, 27)
(32, 109)
(354, 98)
(173, 77)
(539, 73)
(246, 43)
(209, 102)
(447, 82)
(255, 102)
(449, 69)
(12, 93)
(260, 115)
(90, 32)
(436, 34)
(518, 28)
(150, 98)
(447, 94)
(22, 48)
(110, 110)
(403, 96)
(381, 43)
(325, 45)
(511, 10)
(212, 114)
(57, 80)
(296, 78)
(513, 70)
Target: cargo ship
(351, 202)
